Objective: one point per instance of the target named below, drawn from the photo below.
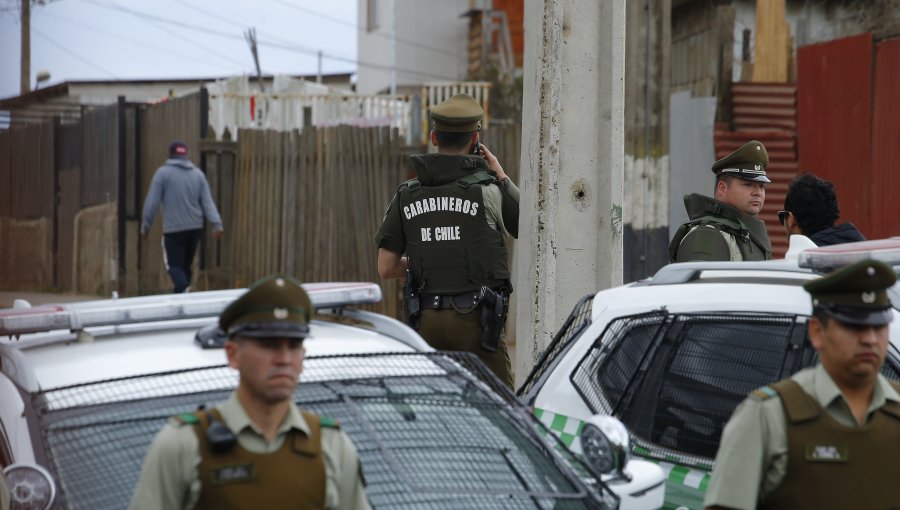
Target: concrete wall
(96, 250)
(646, 190)
(26, 258)
(570, 228)
(691, 152)
(431, 42)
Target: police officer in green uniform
(5, 498)
(827, 437)
(257, 449)
(726, 227)
(445, 232)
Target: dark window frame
(654, 369)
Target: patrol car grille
(433, 431)
(578, 320)
(674, 380)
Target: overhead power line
(285, 45)
(361, 30)
(72, 53)
(120, 37)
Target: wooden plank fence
(303, 203)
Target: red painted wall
(885, 181)
(834, 124)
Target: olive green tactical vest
(704, 237)
(833, 466)
(451, 248)
(241, 480)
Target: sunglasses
(781, 216)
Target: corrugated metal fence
(848, 129)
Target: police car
(672, 356)
(85, 387)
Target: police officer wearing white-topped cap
(829, 436)
(726, 226)
(256, 450)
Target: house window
(372, 15)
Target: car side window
(674, 380)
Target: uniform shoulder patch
(763, 394)
(187, 419)
(328, 422)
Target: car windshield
(432, 431)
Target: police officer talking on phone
(445, 231)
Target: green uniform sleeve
(510, 207)
(703, 243)
(752, 455)
(169, 475)
(390, 235)
(5, 500)
(346, 487)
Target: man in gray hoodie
(184, 193)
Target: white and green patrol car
(673, 355)
(84, 388)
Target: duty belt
(462, 302)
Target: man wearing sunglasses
(811, 209)
(726, 227)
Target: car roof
(157, 334)
(174, 348)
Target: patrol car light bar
(827, 258)
(113, 312)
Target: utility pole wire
(25, 63)
(285, 46)
(250, 35)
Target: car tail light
(30, 486)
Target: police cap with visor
(856, 294)
(274, 307)
(458, 114)
(748, 163)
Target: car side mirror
(606, 445)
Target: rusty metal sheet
(834, 91)
(885, 181)
(766, 112)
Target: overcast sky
(158, 39)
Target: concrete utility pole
(393, 32)
(570, 229)
(25, 78)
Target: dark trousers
(180, 248)
(450, 330)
